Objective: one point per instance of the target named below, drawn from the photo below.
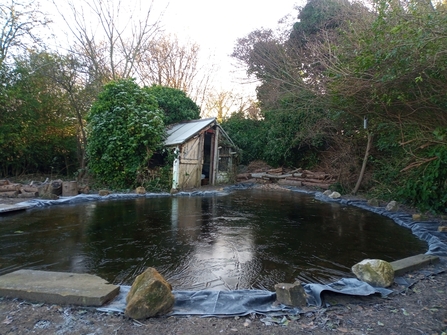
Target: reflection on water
(248, 239)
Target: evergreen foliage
(343, 62)
(37, 132)
(175, 104)
(125, 127)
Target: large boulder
(150, 295)
(375, 272)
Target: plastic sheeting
(88, 197)
(244, 302)
(350, 286)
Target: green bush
(125, 127)
(174, 103)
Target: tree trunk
(365, 160)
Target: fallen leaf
(405, 312)
(394, 311)
(7, 320)
(380, 323)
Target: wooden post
(365, 160)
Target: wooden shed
(205, 154)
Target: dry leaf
(7, 320)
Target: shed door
(191, 163)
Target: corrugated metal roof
(182, 132)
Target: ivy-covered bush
(125, 127)
(248, 136)
(175, 104)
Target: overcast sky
(216, 25)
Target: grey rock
(373, 202)
(392, 206)
(291, 294)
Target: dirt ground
(418, 309)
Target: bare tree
(110, 45)
(167, 62)
(221, 104)
(18, 22)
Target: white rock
(334, 195)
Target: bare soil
(418, 309)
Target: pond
(246, 239)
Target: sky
(216, 26)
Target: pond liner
(208, 303)
(81, 198)
(244, 302)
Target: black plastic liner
(244, 302)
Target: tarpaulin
(208, 303)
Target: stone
(104, 193)
(140, 190)
(416, 217)
(334, 195)
(412, 263)
(327, 193)
(375, 272)
(63, 288)
(392, 206)
(442, 229)
(150, 295)
(291, 294)
(84, 190)
(373, 202)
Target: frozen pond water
(246, 239)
